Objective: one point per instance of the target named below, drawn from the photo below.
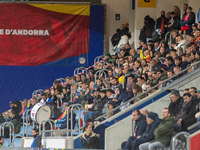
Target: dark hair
(44, 94)
(178, 57)
(86, 126)
(176, 93)
(132, 76)
(187, 89)
(56, 82)
(187, 94)
(194, 88)
(35, 129)
(13, 112)
(169, 58)
(170, 70)
(83, 75)
(185, 4)
(198, 53)
(89, 120)
(138, 112)
(169, 112)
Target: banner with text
(36, 34)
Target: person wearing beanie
(152, 123)
(107, 56)
(149, 27)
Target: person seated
(61, 122)
(95, 107)
(152, 123)
(111, 106)
(25, 106)
(162, 133)
(176, 103)
(139, 128)
(57, 86)
(120, 95)
(89, 139)
(186, 117)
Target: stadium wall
(18, 82)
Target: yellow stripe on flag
(66, 8)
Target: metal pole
(174, 138)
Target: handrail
(99, 71)
(35, 93)
(26, 112)
(166, 35)
(193, 126)
(169, 79)
(179, 47)
(126, 76)
(97, 58)
(80, 107)
(174, 138)
(14, 139)
(160, 59)
(77, 70)
(49, 120)
(12, 129)
(62, 80)
(170, 43)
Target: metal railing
(50, 121)
(37, 93)
(27, 112)
(175, 137)
(134, 98)
(76, 71)
(13, 140)
(193, 126)
(73, 107)
(11, 128)
(61, 81)
(97, 59)
(179, 47)
(184, 49)
(167, 35)
(123, 86)
(99, 71)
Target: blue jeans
(89, 114)
(127, 144)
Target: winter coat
(149, 133)
(175, 24)
(189, 110)
(91, 142)
(158, 23)
(64, 124)
(140, 126)
(176, 107)
(37, 141)
(164, 131)
(17, 124)
(188, 22)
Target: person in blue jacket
(187, 21)
(139, 129)
(37, 141)
(152, 123)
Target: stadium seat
(17, 142)
(6, 142)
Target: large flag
(36, 34)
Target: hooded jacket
(121, 96)
(164, 131)
(90, 142)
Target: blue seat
(6, 142)
(30, 128)
(21, 131)
(17, 142)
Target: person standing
(37, 141)
(161, 23)
(89, 139)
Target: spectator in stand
(176, 103)
(163, 53)
(170, 62)
(178, 62)
(89, 139)
(161, 23)
(48, 91)
(193, 92)
(174, 22)
(17, 107)
(150, 78)
(173, 53)
(194, 28)
(177, 11)
(186, 91)
(187, 22)
(152, 123)
(111, 106)
(91, 76)
(84, 78)
(100, 84)
(133, 53)
(37, 141)
(57, 86)
(144, 111)
(184, 9)
(141, 83)
(174, 34)
(177, 69)
(129, 92)
(120, 95)
(67, 81)
(156, 46)
(115, 38)
(66, 96)
(186, 117)
(33, 102)
(149, 27)
(131, 78)
(25, 106)
(139, 129)
(137, 90)
(162, 133)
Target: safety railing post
(13, 140)
(25, 113)
(174, 138)
(166, 35)
(184, 48)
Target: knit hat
(111, 103)
(121, 79)
(195, 24)
(152, 116)
(107, 54)
(147, 17)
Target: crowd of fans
(150, 64)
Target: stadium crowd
(128, 73)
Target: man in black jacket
(161, 23)
(139, 129)
(186, 117)
(176, 103)
(174, 23)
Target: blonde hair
(109, 114)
